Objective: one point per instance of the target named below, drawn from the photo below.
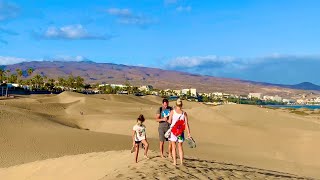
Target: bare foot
(146, 157)
(162, 156)
(175, 164)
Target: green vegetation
(299, 112)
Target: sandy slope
(49, 126)
(114, 165)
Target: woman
(178, 115)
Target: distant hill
(306, 86)
(115, 73)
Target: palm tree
(30, 71)
(8, 74)
(79, 82)
(2, 74)
(38, 80)
(19, 73)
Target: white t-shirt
(140, 132)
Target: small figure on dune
(139, 136)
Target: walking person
(162, 116)
(179, 122)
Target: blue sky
(273, 41)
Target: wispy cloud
(275, 68)
(7, 31)
(7, 60)
(71, 32)
(8, 10)
(167, 2)
(3, 41)
(126, 16)
(184, 8)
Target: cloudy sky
(273, 41)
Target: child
(138, 136)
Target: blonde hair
(179, 103)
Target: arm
(133, 135)
(187, 124)
(170, 117)
(159, 119)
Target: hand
(189, 135)
(133, 143)
(165, 119)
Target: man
(162, 116)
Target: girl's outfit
(140, 133)
(175, 117)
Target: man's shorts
(162, 131)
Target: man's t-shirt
(140, 132)
(164, 113)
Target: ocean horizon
(296, 106)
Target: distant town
(13, 83)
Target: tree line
(39, 81)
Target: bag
(167, 134)
(191, 142)
(178, 128)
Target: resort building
(146, 88)
(255, 95)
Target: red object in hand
(178, 128)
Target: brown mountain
(113, 73)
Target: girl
(138, 136)
(175, 115)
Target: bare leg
(161, 149)
(146, 147)
(180, 147)
(137, 152)
(170, 149)
(174, 153)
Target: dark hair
(140, 118)
(165, 100)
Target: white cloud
(7, 60)
(199, 61)
(126, 16)
(184, 8)
(71, 32)
(275, 68)
(67, 58)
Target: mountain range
(162, 79)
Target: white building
(193, 91)
(146, 88)
(114, 85)
(277, 98)
(255, 95)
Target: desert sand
(75, 136)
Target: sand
(75, 136)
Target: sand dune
(116, 165)
(41, 127)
